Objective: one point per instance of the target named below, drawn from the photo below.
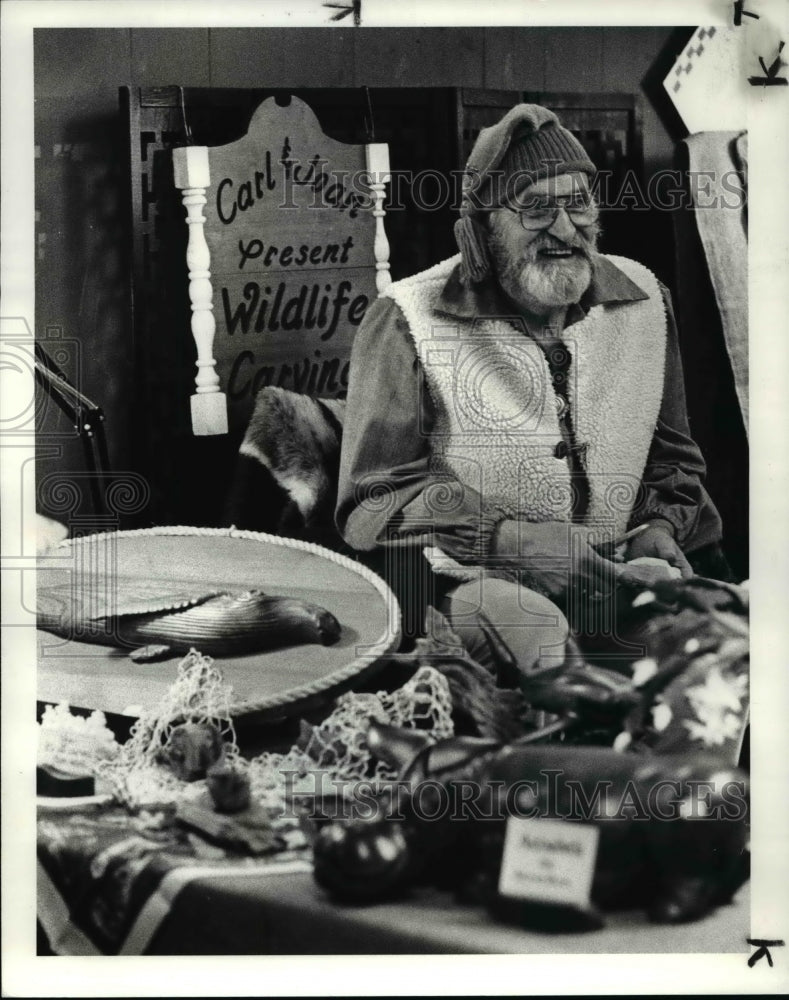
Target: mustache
(550, 242)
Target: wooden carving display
(284, 259)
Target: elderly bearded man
(515, 406)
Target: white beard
(553, 283)
(539, 283)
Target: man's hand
(555, 556)
(659, 543)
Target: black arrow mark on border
(344, 9)
(763, 946)
(770, 78)
(740, 13)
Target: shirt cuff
(676, 518)
(469, 542)
(662, 522)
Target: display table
(128, 572)
(120, 883)
(290, 915)
(104, 888)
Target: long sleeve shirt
(390, 494)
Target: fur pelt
(288, 465)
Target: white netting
(334, 751)
(335, 754)
(72, 743)
(199, 694)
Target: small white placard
(548, 860)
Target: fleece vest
(497, 420)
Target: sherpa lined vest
(497, 423)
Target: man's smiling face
(545, 269)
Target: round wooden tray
(173, 562)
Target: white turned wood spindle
(192, 177)
(377, 156)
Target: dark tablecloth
(109, 887)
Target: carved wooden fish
(216, 624)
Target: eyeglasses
(541, 213)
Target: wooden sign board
(291, 232)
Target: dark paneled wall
(82, 286)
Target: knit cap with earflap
(528, 144)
